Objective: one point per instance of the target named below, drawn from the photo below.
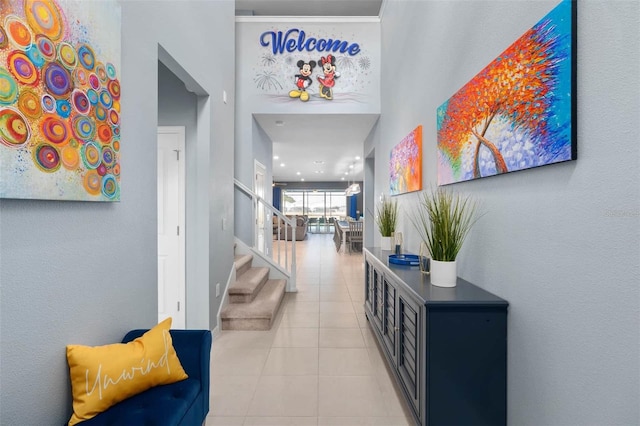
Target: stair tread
(241, 259)
(249, 281)
(265, 304)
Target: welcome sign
(296, 40)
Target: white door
(171, 225)
(258, 188)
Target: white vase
(443, 274)
(386, 243)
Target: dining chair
(354, 236)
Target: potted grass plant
(387, 219)
(443, 220)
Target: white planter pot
(443, 274)
(386, 243)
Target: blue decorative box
(405, 259)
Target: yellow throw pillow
(102, 376)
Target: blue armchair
(182, 403)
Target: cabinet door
(369, 290)
(389, 318)
(378, 312)
(409, 352)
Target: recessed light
(279, 123)
(298, 173)
(342, 178)
(357, 157)
(275, 157)
(346, 173)
(351, 166)
(318, 162)
(281, 164)
(302, 179)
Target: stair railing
(283, 251)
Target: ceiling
(317, 147)
(308, 7)
(320, 147)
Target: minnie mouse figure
(303, 80)
(330, 74)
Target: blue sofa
(182, 403)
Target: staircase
(254, 299)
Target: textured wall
(86, 273)
(561, 243)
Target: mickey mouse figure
(330, 74)
(303, 80)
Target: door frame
(258, 166)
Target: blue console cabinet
(447, 347)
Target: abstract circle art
(60, 99)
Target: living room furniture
(447, 347)
(182, 403)
(299, 232)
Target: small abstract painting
(405, 165)
(60, 100)
(519, 112)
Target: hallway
(318, 365)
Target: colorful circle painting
(69, 157)
(80, 102)
(46, 157)
(8, 88)
(35, 56)
(57, 80)
(67, 55)
(90, 154)
(22, 68)
(92, 182)
(104, 133)
(45, 18)
(29, 104)
(14, 129)
(114, 88)
(63, 108)
(46, 47)
(86, 57)
(17, 32)
(48, 103)
(54, 129)
(109, 186)
(83, 127)
(59, 100)
(4, 40)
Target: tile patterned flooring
(318, 365)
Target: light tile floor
(318, 365)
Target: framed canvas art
(405, 164)
(60, 100)
(519, 112)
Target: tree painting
(517, 112)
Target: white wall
(560, 243)
(86, 273)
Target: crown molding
(383, 6)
